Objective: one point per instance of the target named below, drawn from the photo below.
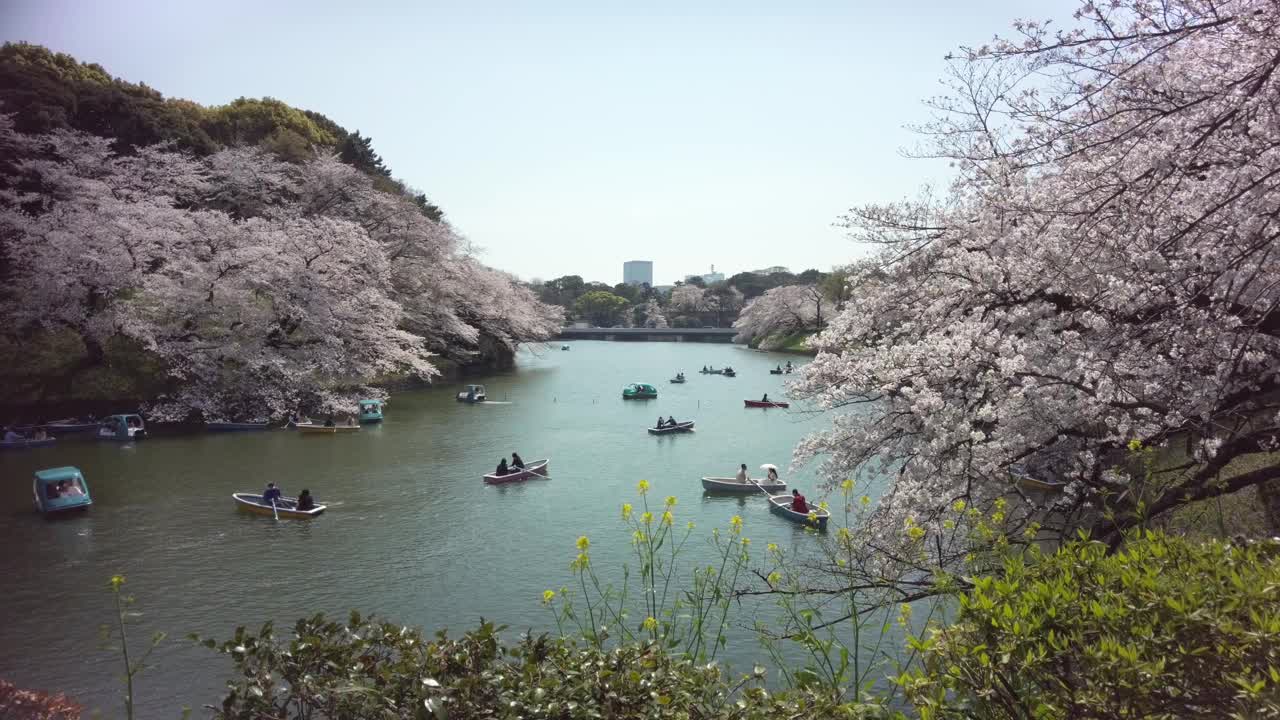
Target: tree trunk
(1269, 494)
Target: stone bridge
(717, 335)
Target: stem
(124, 650)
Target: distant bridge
(717, 335)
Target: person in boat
(779, 368)
(351, 421)
(742, 474)
(471, 393)
(704, 368)
(661, 423)
(328, 422)
(798, 503)
(765, 398)
(516, 461)
(502, 467)
(271, 494)
(11, 436)
(788, 366)
(305, 501)
(40, 434)
(69, 488)
(773, 475)
(671, 421)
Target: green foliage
(365, 668)
(357, 150)
(118, 633)
(600, 307)
(1162, 628)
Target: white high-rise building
(638, 272)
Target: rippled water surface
(412, 533)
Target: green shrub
(1162, 628)
(365, 668)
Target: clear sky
(564, 137)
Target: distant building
(771, 270)
(709, 278)
(638, 272)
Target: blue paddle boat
(58, 490)
(370, 411)
(122, 428)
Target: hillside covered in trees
(234, 261)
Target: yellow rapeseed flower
(1135, 445)
(774, 577)
(690, 525)
(824, 505)
(643, 486)
(647, 517)
(671, 501)
(772, 547)
(813, 516)
(915, 532)
(746, 542)
(735, 524)
(847, 487)
(866, 500)
(626, 511)
(958, 506)
(637, 537)
(116, 581)
(666, 518)
(548, 596)
(650, 624)
(844, 534)
(583, 543)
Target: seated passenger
(72, 489)
(773, 475)
(502, 467)
(516, 461)
(329, 421)
(798, 503)
(305, 501)
(11, 436)
(661, 423)
(742, 474)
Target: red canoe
(757, 403)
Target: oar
(274, 511)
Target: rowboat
(729, 373)
(639, 391)
(370, 411)
(712, 371)
(122, 428)
(731, 485)
(313, 429)
(780, 505)
(564, 347)
(775, 372)
(235, 426)
(537, 468)
(677, 428)
(61, 489)
(62, 427)
(761, 404)
(473, 394)
(286, 508)
(25, 444)
(677, 380)
(1027, 482)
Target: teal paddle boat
(639, 391)
(122, 428)
(370, 411)
(58, 490)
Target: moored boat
(235, 426)
(122, 428)
(537, 468)
(1028, 482)
(639, 391)
(473, 394)
(669, 429)
(775, 372)
(312, 429)
(780, 505)
(731, 485)
(763, 404)
(59, 490)
(285, 508)
(370, 411)
(26, 443)
(70, 425)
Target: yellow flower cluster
(583, 543)
(647, 518)
(548, 596)
(643, 486)
(667, 519)
(650, 624)
(671, 501)
(626, 511)
(735, 524)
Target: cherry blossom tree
(1100, 279)
(779, 312)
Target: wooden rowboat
(731, 485)
(1027, 482)
(780, 505)
(537, 468)
(312, 429)
(62, 427)
(775, 372)
(677, 428)
(235, 426)
(25, 444)
(770, 404)
(286, 508)
(677, 380)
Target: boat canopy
(371, 404)
(56, 475)
(125, 420)
(58, 489)
(642, 387)
(477, 389)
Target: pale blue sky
(567, 137)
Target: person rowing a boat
(305, 501)
(742, 474)
(271, 494)
(765, 399)
(671, 421)
(516, 462)
(798, 503)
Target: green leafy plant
(119, 634)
